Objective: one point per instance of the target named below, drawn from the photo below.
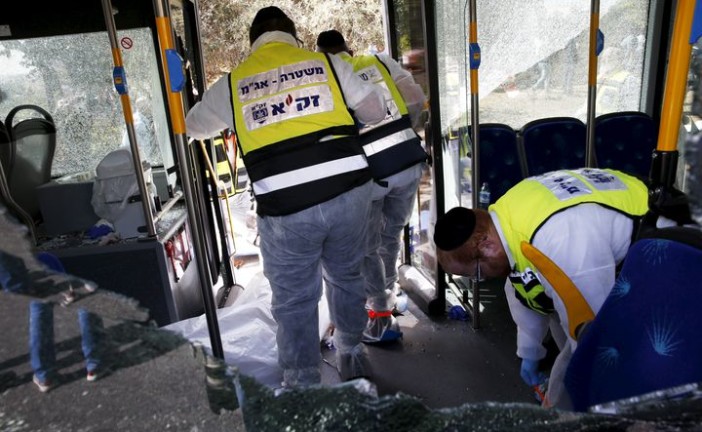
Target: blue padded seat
(500, 165)
(553, 143)
(625, 141)
(646, 336)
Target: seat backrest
(646, 336)
(6, 150)
(551, 144)
(34, 142)
(500, 164)
(625, 141)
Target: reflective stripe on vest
(390, 145)
(385, 143)
(294, 129)
(554, 192)
(309, 174)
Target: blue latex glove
(530, 372)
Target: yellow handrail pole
(592, 82)
(174, 79)
(474, 63)
(120, 80)
(665, 157)
(676, 77)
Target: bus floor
(442, 362)
(446, 363)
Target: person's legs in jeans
(291, 247)
(381, 325)
(90, 327)
(397, 209)
(342, 259)
(41, 340)
(373, 267)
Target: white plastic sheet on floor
(248, 331)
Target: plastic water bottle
(484, 196)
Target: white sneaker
(44, 386)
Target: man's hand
(530, 372)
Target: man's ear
(490, 246)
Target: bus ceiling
(43, 18)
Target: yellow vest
(285, 99)
(390, 145)
(530, 203)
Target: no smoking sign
(126, 42)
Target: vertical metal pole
(474, 61)
(437, 306)
(676, 78)
(592, 82)
(665, 157)
(120, 80)
(175, 106)
(391, 29)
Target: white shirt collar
(273, 36)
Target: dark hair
(454, 228)
(331, 41)
(269, 19)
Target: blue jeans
(390, 211)
(298, 251)
(15, 277)
(41, 339)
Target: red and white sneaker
(91, 376)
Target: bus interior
(98, 167)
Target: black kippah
(454, 228)
(330, 39)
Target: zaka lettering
(297, 103)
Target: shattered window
(71, 78)
(539, 68)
